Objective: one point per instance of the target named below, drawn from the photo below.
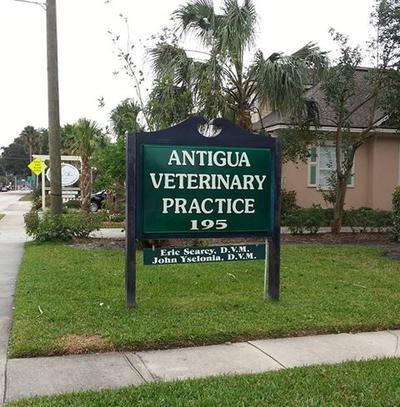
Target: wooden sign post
(181, 184)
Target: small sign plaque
(189, 255)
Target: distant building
(376, 165)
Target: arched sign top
(187, 132)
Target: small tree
(341, 85)
(110, 160)
(85, 137)
(348, 92)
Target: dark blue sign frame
(187, 134)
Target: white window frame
(317, 166)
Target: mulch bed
(370, 239)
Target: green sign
(30, 179)
(202, 189)
(182, 184)
(188, 255)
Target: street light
(42, 5)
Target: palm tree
(84, 137)
(30, 137)
(124, 118)
(223, 84)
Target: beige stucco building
(376, 170)
(376, 174)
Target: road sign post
(181, 184)
(37, 166)
(43, 187)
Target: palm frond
(239, 24)
(170, 60)
(85, 136)
(313, 58)
(207, 80)
(280, 81)
(198, 17)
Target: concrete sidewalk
(12, 239)
(55, 375)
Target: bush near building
(396, 214)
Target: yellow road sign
(37, 166)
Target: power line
(38, 3)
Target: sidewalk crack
(397, 341)
(136, 370)
(5, 383)
(155, 378)
(267, 354)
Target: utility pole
(53, 103)
(53, 109)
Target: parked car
(97, 201)
(4, 189)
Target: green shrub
(73, 204)
(367, 219)
(37, 202)
(314, 218)
(288, 203)
(116, 217)
(295, 222)
(306, 219)
(81, 224)
(383, 219)
(60, 227)
(31, 221)
(396, 214)
(52, 228)
(362, 219)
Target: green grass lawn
(72, 300)
(372, 383)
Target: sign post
(43, 186)
(130, 208)
(181, 184)
(37, 166)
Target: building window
(322, 166)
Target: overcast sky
(87, 57)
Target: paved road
(12, 239)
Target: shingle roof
(327, 116)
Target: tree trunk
(86, 185)
(244, 119)
(119, 203)
(341, 188)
